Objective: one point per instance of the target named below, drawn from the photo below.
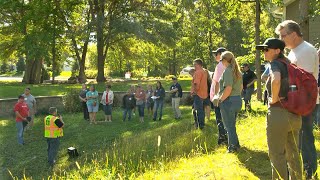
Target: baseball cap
(271, 43)
(20, 97)
(219, 50)
(245, 65)
(174, 78)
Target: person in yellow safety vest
(53, 124)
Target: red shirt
(107, 98)
(23, 110)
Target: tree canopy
(157, 37)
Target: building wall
(292, 12)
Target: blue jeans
(158, 104)
(198, 106)
(221, 130)
(247, 93)
(53, 146)
(141, 110)
(229, 109)
(20, 128)
(125, 112)
(308, 149)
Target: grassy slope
(130, 150)
(12, 90)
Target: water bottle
(292, 87)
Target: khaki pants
(283, 140)
(175, 107)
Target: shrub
(92, 74)
(45, 74)
(71, 101)
(4, 68)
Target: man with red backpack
(304, 55)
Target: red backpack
(302, 97)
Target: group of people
(25, 109)
(288, 134)
(135, 98)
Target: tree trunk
(174, 64)
(100, 42)
(304, 18)
(82, 76)
(258, 60)
(33, 71)
(54, 59)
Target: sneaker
(232, 149)
(222, 141)
(159, 119)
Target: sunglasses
(265, 50)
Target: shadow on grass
(256, 161)
(132, 146)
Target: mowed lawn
(14, 89)
(167, 149)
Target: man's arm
(19, 116)
(226, 93)
(59, 122)
(34, 106)
(212, 90)
(216, 88)
(253, 79)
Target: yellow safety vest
(51, 130)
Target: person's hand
(216, 100)
(272, 100)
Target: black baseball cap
(271, 43)
(245, 65)
(219, 50)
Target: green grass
(13, 89)
(131, 150)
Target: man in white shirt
(304, 55)
(32, 105)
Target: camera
(28, 118)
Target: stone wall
(44, 102)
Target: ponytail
(229, 57)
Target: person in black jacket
(176, 94)
(128, 103)
(159, 95)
